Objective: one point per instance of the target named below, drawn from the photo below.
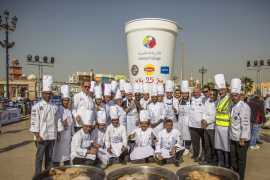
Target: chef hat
(107, 90)
(98, 92)
(101, 117)
(160, 89)
(65, 91)
(169, 86)
(47, 83)
(92, 87)
(184, 86)
(154, 90)
(114, 112)
(87, 117)
(220, 81)
(128, 88)
(114, 86)
(118, 94)
(236, 86)
(136, 88)
(122, 83)
(144, 116)
(146, 88)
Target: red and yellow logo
(149, 69)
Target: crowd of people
(118, 122)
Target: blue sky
(85, 34)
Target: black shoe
(196, 159)
(259, 142)
(176, 163)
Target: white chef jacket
(116, 137)
(167, 140)
(80, 144)
(196, 112)
(44, 120)
(81, 100)
(62, 146)
(107, 109)
(122, 115)
(157, 111)
(240, 122)
(144, 103)
(170, 104)
(143, 144)
(183, 119)
(209, 114)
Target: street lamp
(7, 26)
(258, 66)
(40, 63)
(202, 70)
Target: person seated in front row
(82, 150)
(169, 147)
(99, 140)
(116, 139)
(143, 136)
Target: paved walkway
(17, 154)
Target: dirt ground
(17, 154)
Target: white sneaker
(186, 152)
(254, 147)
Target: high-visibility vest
(222, 117)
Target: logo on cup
(149, 42)
(134, 70)
(149, 69)
(164, 70)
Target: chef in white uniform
(92, 88)
(82, 149)
(131, 109)
(146, 96)
(108, 91)
(137, 90)
(43, 125)
(239, 129)
(62, 147)
(116, 138)
(99, 105)
(169, 147)
(82, 100)
(144, 136)
(195, 128)
(160, 90)
(267, 109)
(208, 123)
(169, 101)
(120, 109)
(184, 114)
(157, 111)
(99, 139)
(122, 85)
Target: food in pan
(201, 175)
(136, 176)
(73, 173)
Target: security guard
(222, 122)
(239, 129)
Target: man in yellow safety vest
(222, 122)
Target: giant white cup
(151, 49)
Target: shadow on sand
(13, 146)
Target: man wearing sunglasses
(82, 101)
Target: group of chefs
(118, 122)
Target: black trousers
(238, 157)
(210, 152)
(223, 158)
(197, 136)
(83, 161)
(43, 148)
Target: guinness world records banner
(151, 49)
(10, 115)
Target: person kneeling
(143, 137)
(82, 150)
(169, 147)
(116, 138)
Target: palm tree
(248, 84)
